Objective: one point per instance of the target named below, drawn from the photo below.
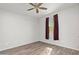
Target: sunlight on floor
(47, 50)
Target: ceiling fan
(37, 6)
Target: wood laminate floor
(39, 48)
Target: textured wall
(16, 29)
(68, 28)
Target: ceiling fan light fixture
(37, 6)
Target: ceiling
(22, 8)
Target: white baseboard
(61, 46)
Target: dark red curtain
(56, 28)
(47, 28)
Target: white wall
(68, 28)
(16, 29)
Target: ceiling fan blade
(32, 4)
(43, 8)
(37, 11)
(30, 9)
(39, 4)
